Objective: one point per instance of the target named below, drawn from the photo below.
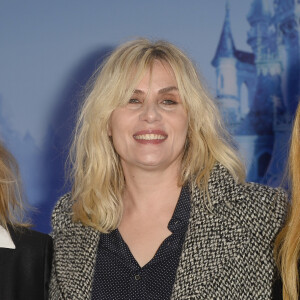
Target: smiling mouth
(153, 137)
(150, 137)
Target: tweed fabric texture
(227, 252)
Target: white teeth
(150, 136)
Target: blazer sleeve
(54, 293)
(60, 220)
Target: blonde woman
(287, 246)
(159, 208)
(25, 255)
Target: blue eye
(169, 102)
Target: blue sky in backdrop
(43, 41)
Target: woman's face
(150, 131)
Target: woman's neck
(150, 190)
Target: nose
(150, 112)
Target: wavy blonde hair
(97, 175)
(11, 204)
(287, 244)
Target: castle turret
(286, 18)
(225, 63)
(259, 18)
(262, 38)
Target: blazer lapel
(76, 249)
(208, 242)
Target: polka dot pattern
(118, 275)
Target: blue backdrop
(248, 52)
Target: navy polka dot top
(118, 275)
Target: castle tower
(271, 77)
(286, 23)
(262, 38)
(226, 70)
(259, 18)
(267, 103)
(286, 19)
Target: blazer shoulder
(265, 197)
(62, 212)
(265, 208)
(251, 198)
(29, 237)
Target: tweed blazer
(227, 252)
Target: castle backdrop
(248, 51)
(258, 91)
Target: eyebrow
(168, 89)
(162, 91)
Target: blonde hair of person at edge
(159, 208)
(287, 246)
(25, 254)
